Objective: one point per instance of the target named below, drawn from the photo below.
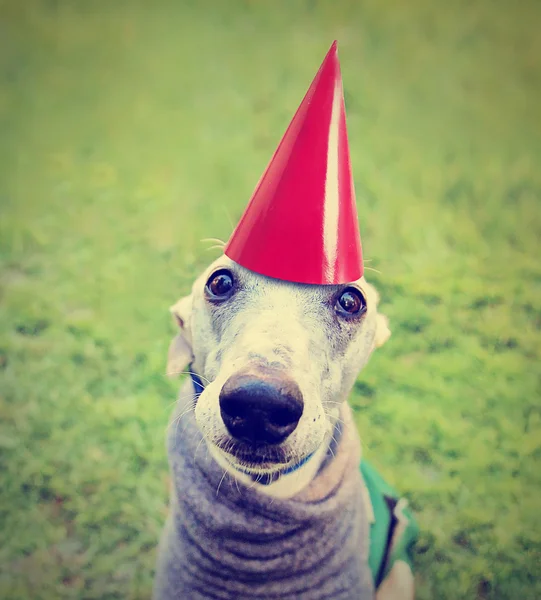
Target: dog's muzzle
(260, 407)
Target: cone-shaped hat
(301, 223)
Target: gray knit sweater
(224, 540)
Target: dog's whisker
(330, 415)
(213, 239)
(178, 418)
(173, 423)
(183, 398)
(338, 419)
(256, 481)
(219, 484)
(192, 395)
(189, 396)
(189, 408)
(374, 270)
(170, 405)
(197, 449)
(196, 374)
(177, 423)
(330, 446)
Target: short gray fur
(224, 540)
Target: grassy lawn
(130, 130)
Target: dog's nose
(262, 410)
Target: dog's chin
(259, 460)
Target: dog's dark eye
(220, 285)
(350, 302)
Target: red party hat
(301, 222)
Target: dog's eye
(351, 302)
(220, 285)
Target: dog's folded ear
(383, 333)
(180, 350)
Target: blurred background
(130, 130)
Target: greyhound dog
(267, 500)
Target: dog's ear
(180, 350)
(383, 333)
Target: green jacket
(393, 531)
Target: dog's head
(276, 359)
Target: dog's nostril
(282, 417)
(234, 407)
(260, 410)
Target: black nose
(260, 409)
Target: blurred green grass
(131, 130)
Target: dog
(267, 500)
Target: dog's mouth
(261, 459)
